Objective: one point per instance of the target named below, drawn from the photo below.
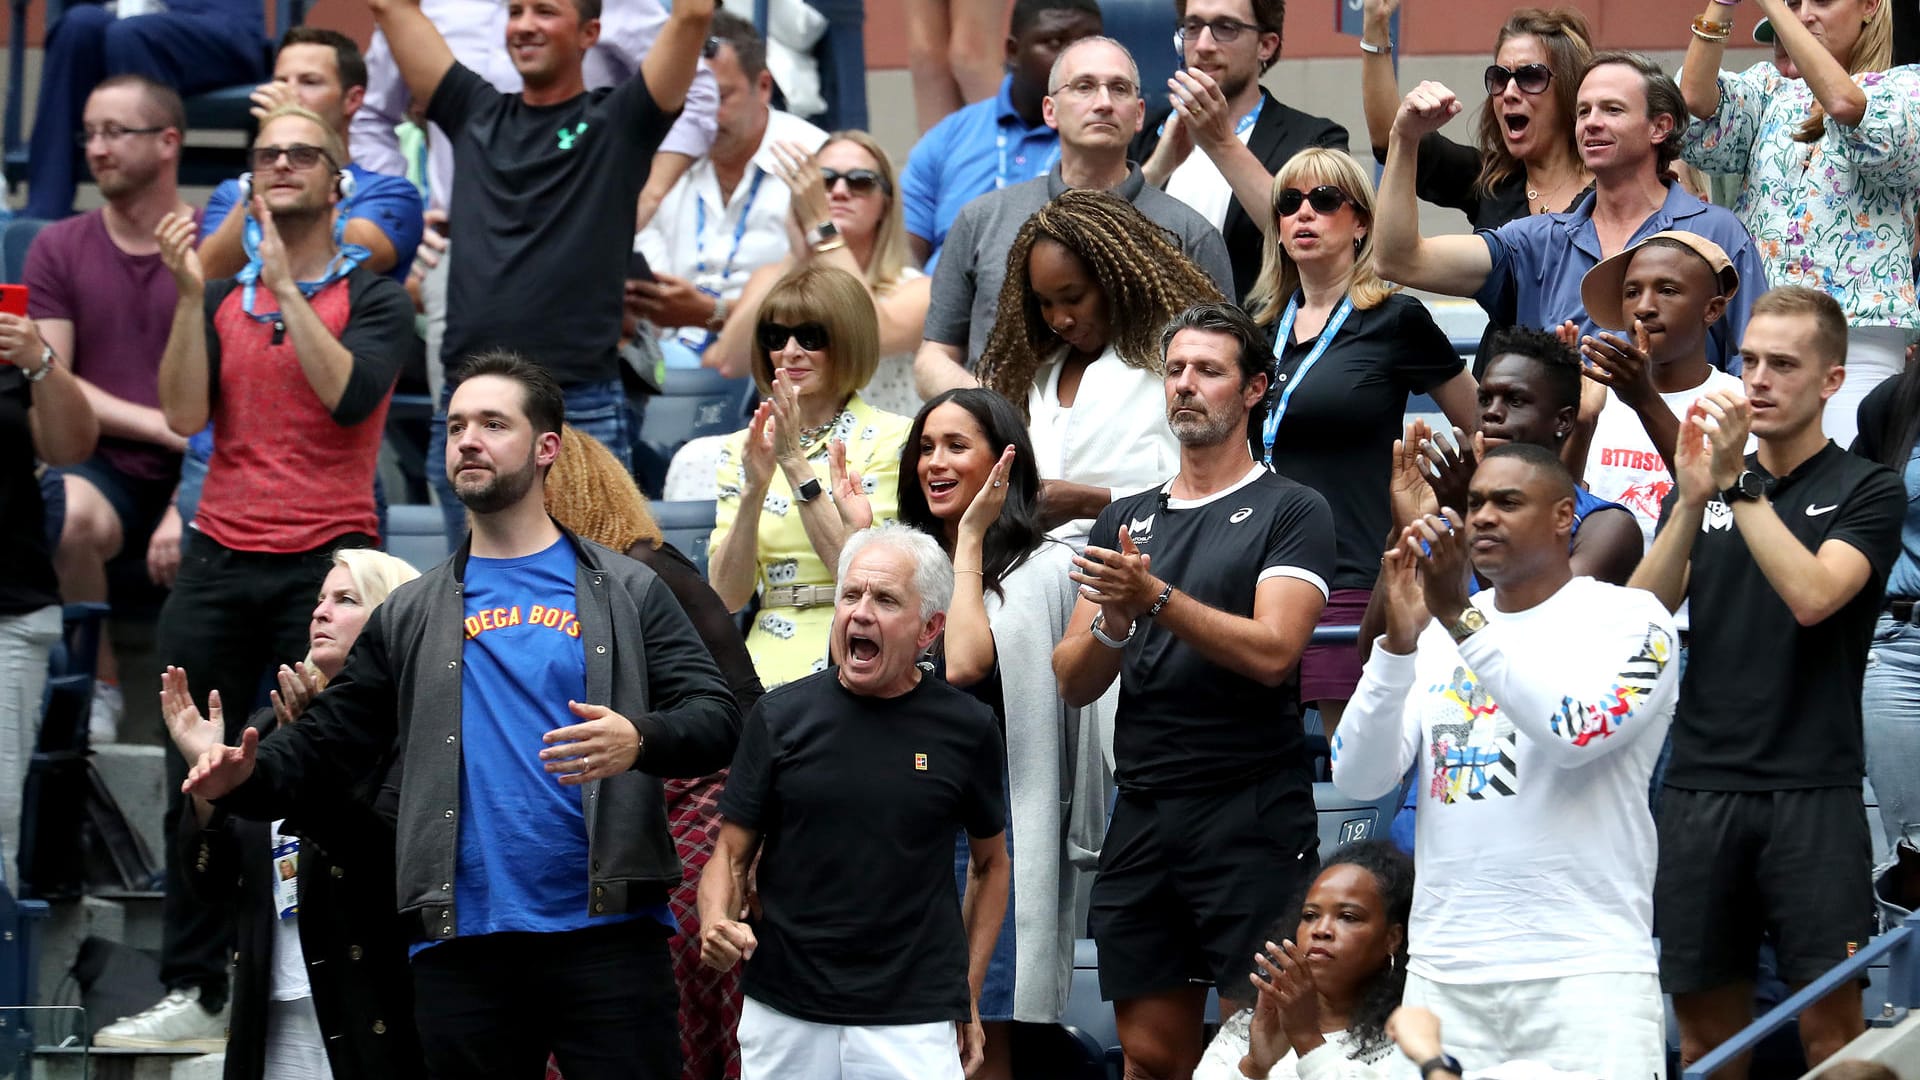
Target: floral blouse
(1835, 215)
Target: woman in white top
(1090, 283)
(1325, 995)
(846, 214)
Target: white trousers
(1874, 355)
(25, 641)
(295, 1048)
(1610, 1025)
(775, 1046)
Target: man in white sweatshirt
(1531, 715)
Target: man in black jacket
(1243, 134)
(534, 880)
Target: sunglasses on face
(1530, 78)
(300, 155)
(773, 336)
(1325, 199)
(859, 181)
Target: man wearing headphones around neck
(293, 361)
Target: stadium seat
(692, 402)
(687, 526)
(417, 533)
(1344, 820)
(15, 239)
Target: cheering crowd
(1075, 504)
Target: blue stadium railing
(1900, 946)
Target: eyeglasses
(1225, 31)
(300, 155)
(773, 336)
(1530, 78)
(1120, 90)
(112, 133)
(859, 181)
(1325, 199)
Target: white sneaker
(177, 1023)
(103, 722)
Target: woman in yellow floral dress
(816, 341)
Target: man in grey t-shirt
(1095, 103)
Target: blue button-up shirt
(1538, 262)
(980, 148)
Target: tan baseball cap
(1601, 289)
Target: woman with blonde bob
(1348, 350)
(322, 954)
(851, 183)
(590, 492)
(816, 342)
(1823, 140)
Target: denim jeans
(1890, 707)
(597, 409)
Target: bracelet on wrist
(1712, 32)
(1376, 50)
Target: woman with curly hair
(1348, 350)
(1090, 282)
(1327, 985)
(590, 492)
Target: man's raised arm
(419, 50)
(670, 64)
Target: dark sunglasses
(859, 181)
(1530, 78)
(1325, 199)
(773, 336)
(300, 155)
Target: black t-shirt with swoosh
(1185, 723)
(1767, 704)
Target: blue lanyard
(739, 232)
(345, 259)
(1000, 177)
(1327, 333)
(1239, 129)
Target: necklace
(1536, 197)
(809, 436)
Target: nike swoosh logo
(1816, 511)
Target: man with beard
(1214, 829)
(537, 686)
(1536, 703)
(1244, 134)
(100, 301)
(293, 361)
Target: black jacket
(403, 682)
(1281, 132)
(354, 944)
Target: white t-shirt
(1200, 184)
(1114, 435)
(1622, 464)
(1532, 744)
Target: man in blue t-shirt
(323, 70)
(536, 686)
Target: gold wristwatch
(1470, 622)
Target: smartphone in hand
(637, 268)
(13, 300)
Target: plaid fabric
(709, 999)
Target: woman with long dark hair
(967, 477)
(1328, 982)
(1890, 700)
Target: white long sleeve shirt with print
(1531, 744)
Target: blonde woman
(322, 954)
(1348, 349)
(850, 183)
(1823, 139)
(816, 342)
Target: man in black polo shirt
(1214, 832)
(549, 178)
(848, 785)
(1783, 553)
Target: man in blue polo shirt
(995, 143)
(323, 70)
(1528, 271)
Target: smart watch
(1445, 1063)
(1100, 633)
(1749, 486)
(808, 491)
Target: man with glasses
(996, 143)
(100, 301)
(293, 362)
(1629, 117)
(1095, 103)
(1244, 134)
(727, 217)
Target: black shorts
(1190, 884)
(1736, 867)
(138, 503)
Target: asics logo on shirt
(1816, 511)
(1240, 515)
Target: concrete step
(73, 1063)
(130, 918)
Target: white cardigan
(1114, 436)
